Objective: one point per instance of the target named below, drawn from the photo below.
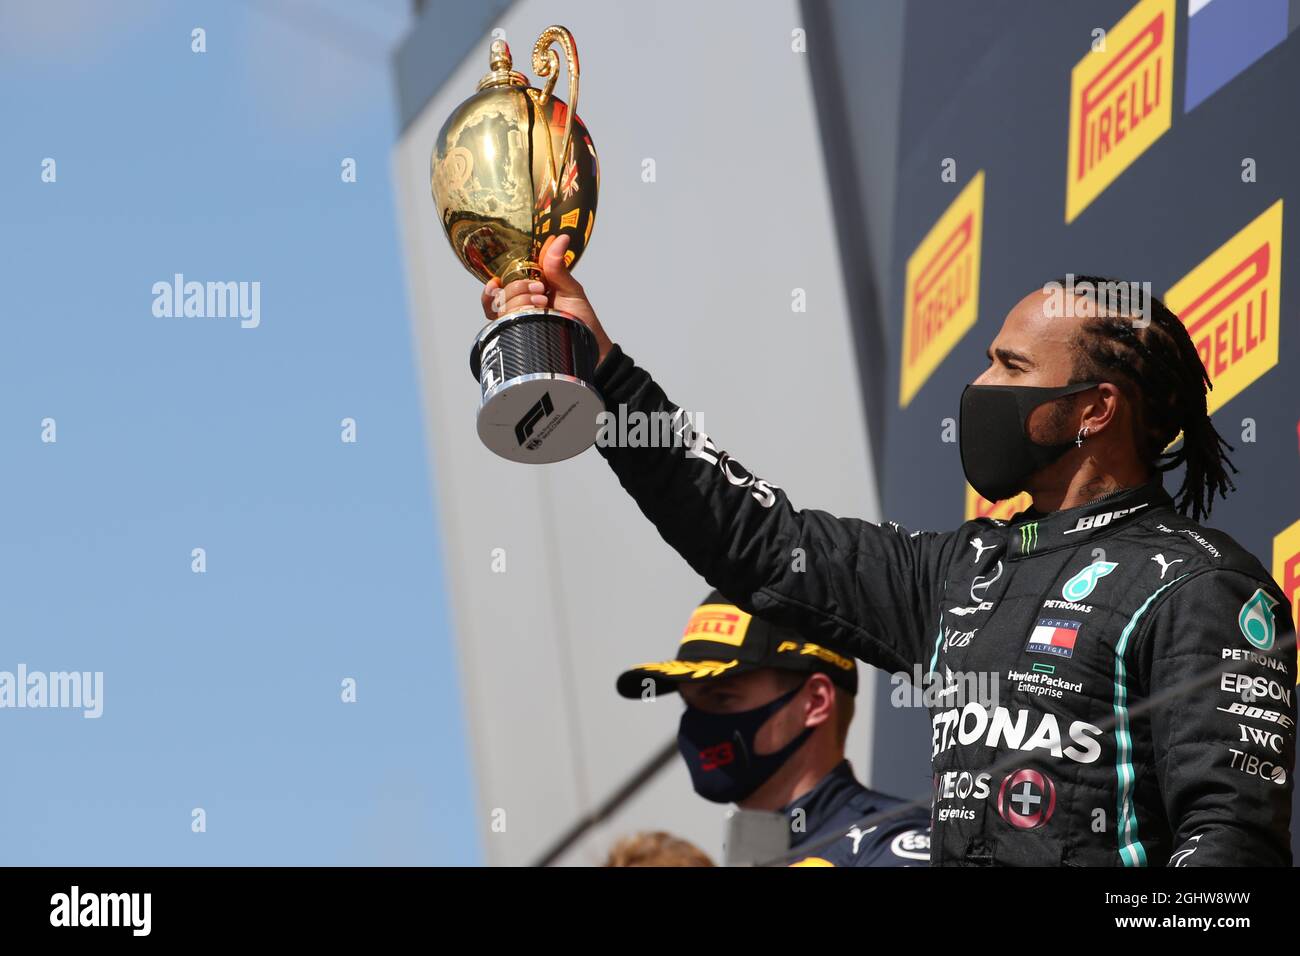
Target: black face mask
(996, 451)
(719, 750)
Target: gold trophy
(512, 166)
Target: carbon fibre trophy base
(534, 370)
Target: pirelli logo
(720, 623)
(1286, 568)
(1121, 101)
(977, 506)
(1229, 304)
(941, 297)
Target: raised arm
(870, 588)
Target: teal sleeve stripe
(1131, 851)
(938, 642)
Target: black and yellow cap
(721, 640)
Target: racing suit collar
(1032, 532)
(823, 801)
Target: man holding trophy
(1148, 663)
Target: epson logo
(1250, 688)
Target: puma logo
(1164, 565)
(856, 834)
(980, 547)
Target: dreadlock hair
(1136, 337)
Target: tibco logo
(1250, 764)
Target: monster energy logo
(1028, 537)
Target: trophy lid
(500, 63)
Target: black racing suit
(842, 823)
(1124, 678)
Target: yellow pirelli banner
(1286, 571)
(1230, 304)
(942, 292)
(1121, 101)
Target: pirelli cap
(721, 640)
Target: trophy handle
(547, 64)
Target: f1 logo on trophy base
(513, 166)
(534, 369)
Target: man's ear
(1101, 407)
(821, 700)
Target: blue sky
(222, 689)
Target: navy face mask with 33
(719, 750)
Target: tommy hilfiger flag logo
(1054, 637)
